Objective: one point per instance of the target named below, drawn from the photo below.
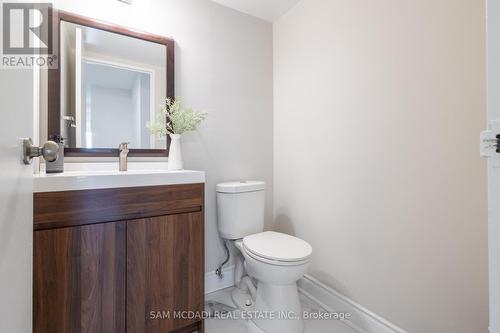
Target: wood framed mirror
(109, 82)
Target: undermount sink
(85, 176)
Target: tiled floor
(240, 326)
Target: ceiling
(269, 10)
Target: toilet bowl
(275, 260)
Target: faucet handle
(123, 146)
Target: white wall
(223, 66)
(159, 89)
(377, 111)
(115, 106)
(494, 164)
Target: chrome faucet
(123, 148)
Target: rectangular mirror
(109, 84)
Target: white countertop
(93, 178)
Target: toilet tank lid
(241, 186)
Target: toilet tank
(240, 208)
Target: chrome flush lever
(49, 151)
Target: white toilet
(274, 259)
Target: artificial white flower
(175, 119)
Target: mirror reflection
(111, 87)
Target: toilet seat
(277, 248)
(276, 262)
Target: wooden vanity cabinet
(119, 260)
(79, 279)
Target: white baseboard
(214, 283)
(362, 320)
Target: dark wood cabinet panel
(79, 279)
(104, 259)
(73, 208)
(165, 272)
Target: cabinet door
(79, 279)
(165, 272)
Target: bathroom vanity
(114, 251)
(118, 252)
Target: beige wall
(224, 67)
(377, 111)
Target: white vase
(175, 153)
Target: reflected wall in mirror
(111, 82)
(111, 87)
